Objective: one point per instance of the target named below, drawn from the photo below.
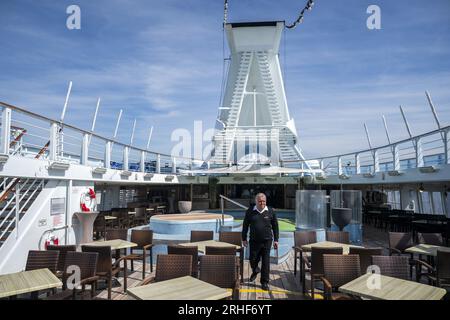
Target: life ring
(88, 200)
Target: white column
(53, 148)
(419, 153)
(339, 165)
(357, 164)
(107, 158)
(17, 196)
(142, 161)
(68, 210)
(396, 157)
(174, 165)
(85, 149)
(158, 163)
(125, 158)
(6, 130)
(376, 161)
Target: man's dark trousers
(260, 250)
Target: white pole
(132, 132)
(95, 115)
(386, 129)
(149, 137)
(368, 137)
(406, 122)
(94, 120)
(117, 124)
(66, 102)
(433, 110)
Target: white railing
(428, 149)
(222, 206)
(49, 139)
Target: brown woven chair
(63, 249)
(140, 217)
(224, 251)
(365, 256)
(338, 236)
(144, 241)
(113, 234)
(42, 259)
(434, 239)
(100, 226)
(302, 238)
(235, 237)
(398, 243)
(184, 250)
(87, 265)
(338, 270)
(220, 270)
(170, 266)
(392, 266)
(106, 270)
(440, 274)
(315, 264)
(201, 235)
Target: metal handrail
(92, 134)
(222, 207)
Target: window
(437, 203)
(426, 202)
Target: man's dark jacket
(261, 225)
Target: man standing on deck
(263, 225)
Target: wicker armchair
(63, 250)
(184, 250)
(302, 238)
(398, 243)
(100, 226)
(440, 274)
(392, 266)
(338, 270)
(338, 236)
(140, 217)
(434, 239)
(365, 256)
(224, 251)
(106, 270)
(144, 241)
(220, 270)
(315, 264)
(235, 238)
(170, 266)
(113, 234)
(87, 265)
(201, 235)
(42, 259)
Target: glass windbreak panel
(348, 199)
(426, 203)
(311, 209)
(398, 201)
(437, 203)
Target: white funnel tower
(254, 125)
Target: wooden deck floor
(283, 284)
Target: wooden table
(110, 218)
(426, 249)
(115, 244)
(27, 281)
(392, 289)
(184, 288)
(329, 244)
(210, 243)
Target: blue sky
(161, 61)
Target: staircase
(245, 62)
(16, 196)
(269, 88)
